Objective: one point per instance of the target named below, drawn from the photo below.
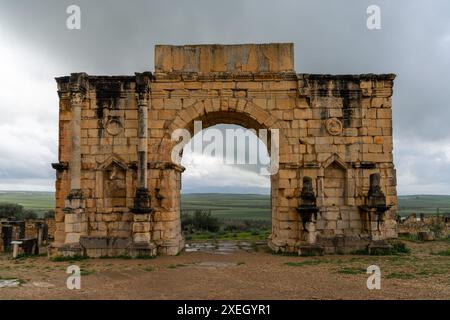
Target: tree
(50, 214)
(29, 214)
(12, 211)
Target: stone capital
(76, 98)
(142, 98)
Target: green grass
(400, 275)
(348, 270)
(230, 206)
(63, 258)
(256, 206)
(32, 200)
(149, 269)
(115, 257)
(432, 272)
(427, 204)
(445, 253)
(306, 263)
(86, 272)
(22, 256)
(398, 248)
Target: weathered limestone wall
(336, 130)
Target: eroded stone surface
(116, 178)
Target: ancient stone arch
(118, 188)
(238, 111)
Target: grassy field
(251, 206)
(232, 206)
(428, 204)
(33, 200)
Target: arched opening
(225, 188)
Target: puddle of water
(222, 252)
(43, 284)
(9, 283)
(221, 247)
(215, 264)
(194, 247)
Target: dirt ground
(235, 274)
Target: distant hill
(33, 200)
(427, 204)
(229, 205)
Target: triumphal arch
(118, 188)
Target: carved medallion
(333, 126)
(114, 126)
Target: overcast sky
(117, 37)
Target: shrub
(186, 221)
(360, 252)
(400, 247)
(444, 253)
(12, 211)
(50, 214)
(200, 220)
(238, 225)
(437, 226)
(68, 258)
(28, 214)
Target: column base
(171, 247)
(65, 250)
(95, 247)
(143, 249)
(308, 250)
(379, 248)
(282, 246)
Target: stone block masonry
(118, 191)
